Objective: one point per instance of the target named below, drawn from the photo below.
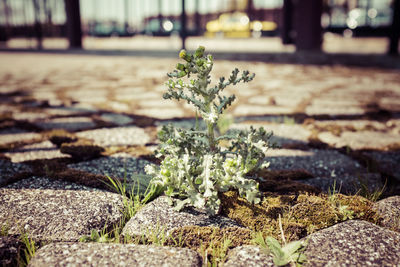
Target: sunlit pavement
(329, 107)
(332, 44)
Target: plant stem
(211, 137)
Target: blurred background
(331, 26)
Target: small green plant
(5, 228)
(291, 253)
(97, 236)
(195, 167)
(29, 250)
(215, 253)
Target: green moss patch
(300, 214)
(197, 237)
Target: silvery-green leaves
(194, 168)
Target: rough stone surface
(96, 254)
(389, 210)
(353, 243)
(117, 119)
(70, 124)
(9, 250)
(120, 136)
(284, 134)
(347, 184)
(64, 212)
(117, 166)
(320, 163)
(248, 256)
(9, 169)
(388, 161)
(361, 140)
(160, 216)
(13, 135)
(42, 150)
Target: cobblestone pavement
(58, 113)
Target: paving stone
(321, 163)
(119, 136)
(118, 166)
(117, 119)
(361, 140)
(353, 243)
(97, 254)
(248, 256)
(57, 211)
(354, 125)
(69, 124)
(29, 116)
(347, 184)
(12, 135)
(159, 216)
(161, 113)
(42, 150)
(9, 250)
(9, 169)
(247, 110)
(389, 209)
(284, 134)
(334, 110)
(388, 161)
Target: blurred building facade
(299, 22)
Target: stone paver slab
(353, 243)
(159, 216)
(120, 165)
(117, 119)
(388, 161)
(119, 136)
(42, 150)
(361, 140)
(57, 211)
(13, 135)
(9, 169)
(69, 124)
(348, 184)
(320, 163)
(284, 134)
(389, 210)
(96, 254)
(249, 256)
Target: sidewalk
(67, 120)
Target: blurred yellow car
(238, 25)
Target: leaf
(292, 247)
(275, 247)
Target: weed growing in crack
(195, 167)
(28, 252)
(290, 253)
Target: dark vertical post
(37, 25)
(183, 24)
(4, 30)
(160, 16)
(394, 34)
(250, 10)
(197, 20)
(74, 31)
(287, 22)
(308, 25)
(126, 13)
